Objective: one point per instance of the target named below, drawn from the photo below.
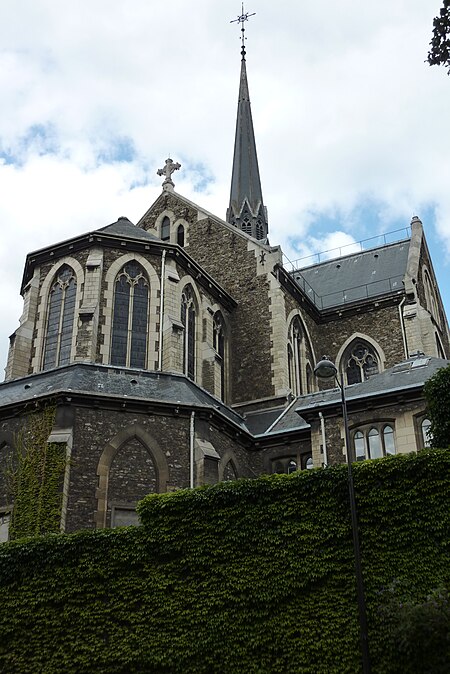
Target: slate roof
(368, 273)
(125, 228)
(114, 382)
(408, 375)
(258, 422)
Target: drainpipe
(191, 451)
(324, 439)
(161, 312)
(402, 323)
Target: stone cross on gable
(167, 171)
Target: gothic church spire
(246, 210)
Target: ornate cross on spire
(242, 19)
(167, 171)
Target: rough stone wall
(225, 256)
(295, 449)
(94, 428)
(131, 477)
(402, 417)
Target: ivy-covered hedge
(252, 576)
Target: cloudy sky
(351, 123)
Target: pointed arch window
(165, 229)
(60, 319)
(188, 319)
(295, 353)
(246, 225)
(259, 230)
(219, 347)
(130, 317)
(180, 235)
(360, 362)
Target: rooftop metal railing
(355, 293)
(348, 249)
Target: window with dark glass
(188, 321)
(360, 362)
(165, 229)
(360, 449)
(219, 347)
(60, 319)
(180, 235)
(130, 317)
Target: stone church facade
(180, 351)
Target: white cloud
(346, 113)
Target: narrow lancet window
(130, 317)
(188, 321)
(60, 319)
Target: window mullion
(130, 325)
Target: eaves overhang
(143, 246)
(361, 402)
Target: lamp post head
(325, 368)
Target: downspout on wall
(324, 440)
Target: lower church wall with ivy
(246, 576)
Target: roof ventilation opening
(27, 386)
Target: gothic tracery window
(219, 347)
(60, 319)
(188, 320)
(360, 362)
(130, 317)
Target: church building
(180, 350)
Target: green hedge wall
(246, 576)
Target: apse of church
(180, 351)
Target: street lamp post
(326, 369)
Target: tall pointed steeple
(246, 210)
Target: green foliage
(251, 577)
(439, 53)
(35, 478)
(420, 628)
(437, 394)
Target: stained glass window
(60, 319)
(130, 317)
(180, 235)
(188, 321)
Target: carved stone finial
(167, 171)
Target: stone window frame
(113, 447)
(44, 301)
(363, 431)
(220, 346)
(175, 223)
(132, 283)
(299, 366)
(281, 463)
(359, 337)
(154, 318)
(184, 282)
